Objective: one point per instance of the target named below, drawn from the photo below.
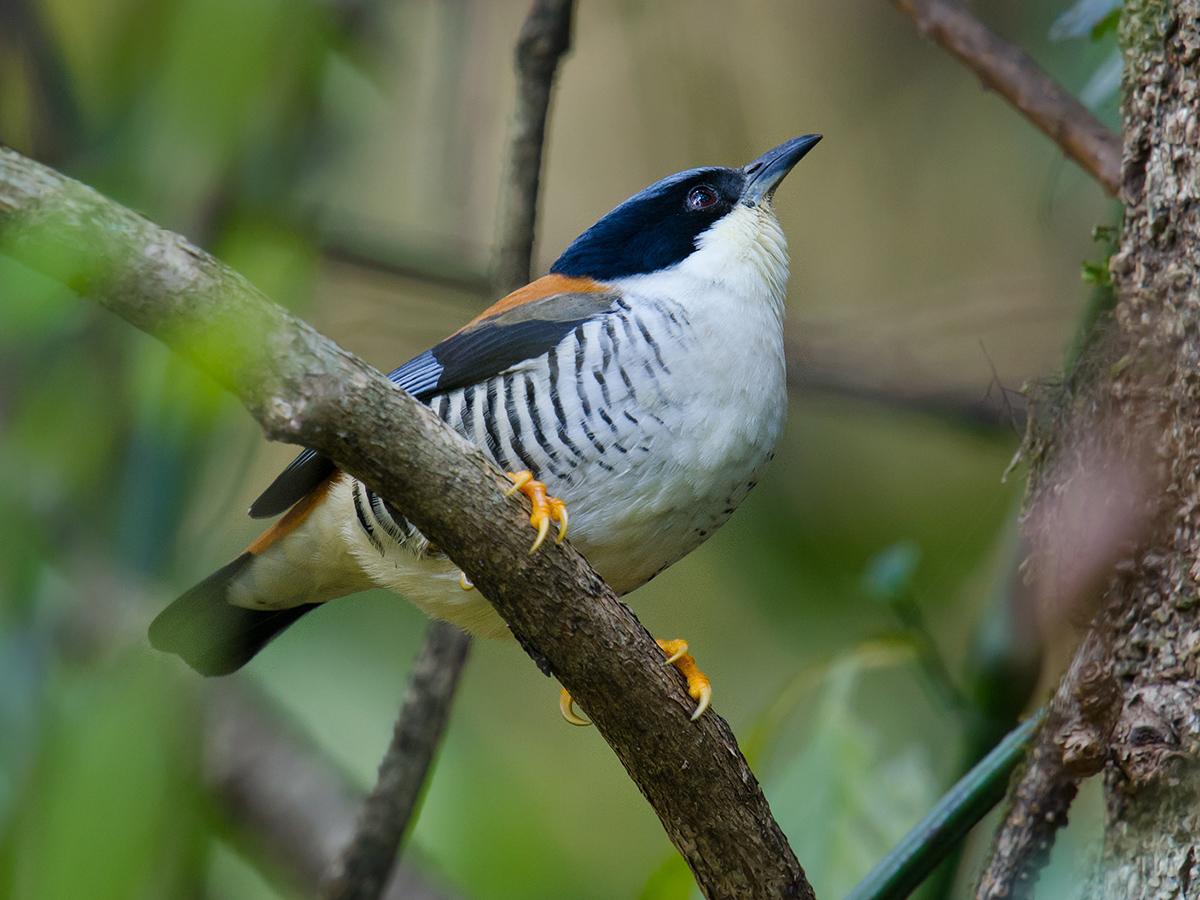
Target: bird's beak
(765, 173)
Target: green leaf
(1084, 18)
(889, 574)
(843, 801)
(1097, 273)
(1107, 25)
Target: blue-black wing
(523, 326)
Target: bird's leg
(699, 687)
(545, 508)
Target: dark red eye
(701, 197)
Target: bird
(635, 394)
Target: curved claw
(566, 706)
(674, 649)
(546, 509)
(465, 582)
(520, 479)
(699, 687)
(543, 527)
(558, 512)
(705, 699)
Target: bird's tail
(300, 561)
(210, 634)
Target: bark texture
(1113, 511)
(1114, 501)
(1153, 778)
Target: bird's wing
(524, 325)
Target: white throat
(740, 263)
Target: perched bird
(639, 385)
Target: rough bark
(1124, 435)
(1153, 780)
(304, 389)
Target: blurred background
(861, 616)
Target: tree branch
(304, 389)
(1006, 69)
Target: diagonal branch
(303, 388)
(1006, 69)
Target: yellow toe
(699, 687)
(546, 509)
(566, 706)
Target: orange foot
(699, 687)
(545, 508)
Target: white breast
(723, 405)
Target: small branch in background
(284, 796)
(1008, 71)
(362, 870)
(544, 38)
(400, 261)
(996, 409)
(58, 125)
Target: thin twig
(288, 802)
(362, 870)
(996, 409)
(1008, 71)
(397, 260)
(544, 38)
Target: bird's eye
(701, 197)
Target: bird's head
(716, 221)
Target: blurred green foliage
(878, 546)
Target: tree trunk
(1143, 409)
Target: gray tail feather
(212, 636)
